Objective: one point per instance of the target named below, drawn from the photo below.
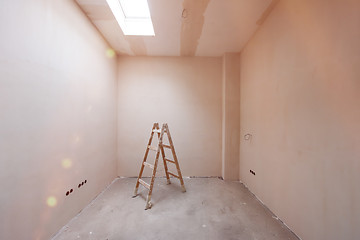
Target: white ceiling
(184, 27)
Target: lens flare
(51, 201)
(66, 163)
(110, 53)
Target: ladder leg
(179, 174)
(156, 125)
(137, 181)
(175, 158)
(165, 165)
(148, 200)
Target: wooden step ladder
(159, 148)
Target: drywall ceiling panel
(229, 25)
(183, 27)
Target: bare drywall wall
(300, 95)
(186, 93)
(57, 116)
(231, 116)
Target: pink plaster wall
(300, 96)
(231, 116)
(185, 92)
(57, 116)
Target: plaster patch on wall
(192, 25)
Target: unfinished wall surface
(184, 92)
(300, 95)
(231, 116)
(57, 116)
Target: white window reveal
(133, 16)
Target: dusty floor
(210, 209)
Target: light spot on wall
(66, 163)
(110, 53)
(51, 201)
(76, 139)
(89, 108)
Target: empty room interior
(261, 97)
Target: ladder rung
(157, 130)
(153, 148)
(149, 165)
(144, 184)
(170, 161)
(173, 175)
(166, 146)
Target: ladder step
(170, 161)
(173, 175)
(166, 146)
(144, 184)
(149, 165)
(157, 130)
(153, 148)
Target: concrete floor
(210, 209)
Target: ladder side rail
(175, 157)
(165, 165)
(164, 161)
(148, 200)
(155, 126)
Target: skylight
(133, 16)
